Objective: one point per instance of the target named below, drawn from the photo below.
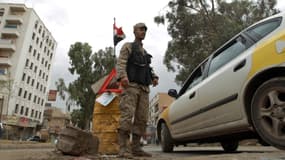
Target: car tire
(230, 146)
(166, 139)
(268, 112)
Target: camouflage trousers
(134, 105)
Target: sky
(91, 21)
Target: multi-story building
(156, 105)
(27, 50)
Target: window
(229, 52)
(36, 24)
(27, 62)
(25, 94)
(38, 85)
(33, 36)
(31, 66)
(16, 108)
(28, 79)
(195, 78)
(35, 99)
(30, 96)
(38, 57)
(2, 71)
(33, 81)
(10, 25)
(20, 92)
(30, 49)
(261, 30)
(37, 41)
(42, 102)
(39, 100)
(24, 77)
(32, 113)
(35, 52)
(35, 69)
(22, 110)
(40, 115)
(2, 10)
(40, 30)
(27, 111)
(43, 35)
(36, 114)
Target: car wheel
(268, 112)
(230, 146)
(166, 140)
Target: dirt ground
(194, 154)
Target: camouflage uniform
(134, 106)
(134, 99)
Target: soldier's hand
(125, 82)
(155, 82)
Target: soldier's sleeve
(122, 61)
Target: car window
(229, 52)
(261, 30)
(195, 78)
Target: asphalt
(8, 144)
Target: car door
(220, 92)
(187, 102)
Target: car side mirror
(172, 93)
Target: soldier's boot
(136, 147)
(123, 137)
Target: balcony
(14, 19)
(10, 32)
(7, 45)
(5, 61)
(18, 8)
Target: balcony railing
(18, 8)
(5, 61)
(7, 45)
(10, 31)
(14, 19)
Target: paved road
(180, 153)
(217, 153)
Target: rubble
(74, 141)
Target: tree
(198, 27)
(88, 68)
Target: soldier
(135, 75)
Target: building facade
(156, 105)
(27, 50)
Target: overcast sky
(91, 21)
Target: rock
(76, 142)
